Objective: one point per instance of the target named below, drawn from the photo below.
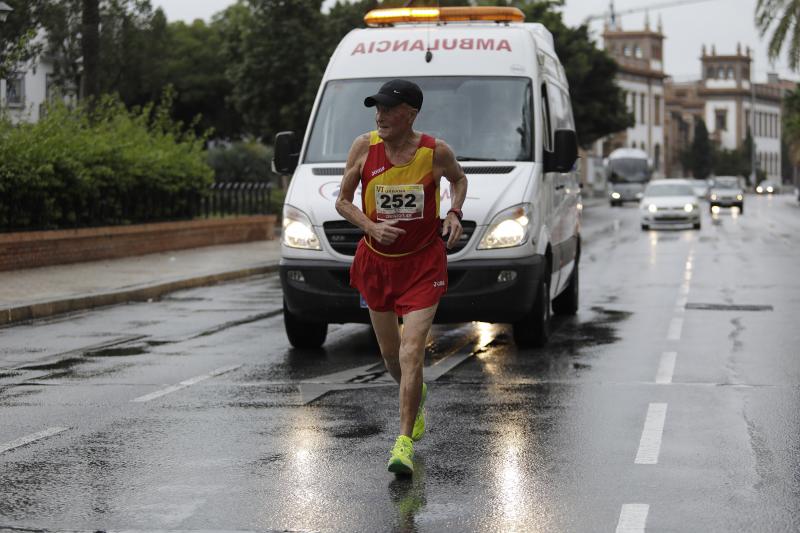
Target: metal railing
(143, 206)
(237, 198)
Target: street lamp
(5, 9)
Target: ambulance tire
(533, 330)
(303, 334)
(566, 303)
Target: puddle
(58, 365)
(118, 352)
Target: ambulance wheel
(566, 303)
(302, 333)
(534, 328)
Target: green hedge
(109, 166)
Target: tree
(194, 63)
(121, 58)
(791, 124)
(90, 49)
(701, 155)
(598, 104)
(281, 60)
(784, 15)
(18, 45)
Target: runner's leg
(416, 326)
(387, 330)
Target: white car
(669, 203)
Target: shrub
(110, 166)
(241, 161)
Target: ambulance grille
(344, 236)
(339, 171)
(328, 171)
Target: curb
(43, 309)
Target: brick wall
(43, 248)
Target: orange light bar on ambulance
(386, 17)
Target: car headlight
(713, 196)
(616, 195)
(770, 189)
(508, 229)
(739, 197)
(759, 189)
(298, 231)
(652, 208)
(639, 195)
(689, 208)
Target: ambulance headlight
(298, 231)
(508, 229)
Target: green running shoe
(419, 422)
(401, 461)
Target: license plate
(362, 302)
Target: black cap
(396, 92)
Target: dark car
(726, 191)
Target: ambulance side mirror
(287, 152)
(564, 154)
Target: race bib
(399, 202)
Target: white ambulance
(495, 91)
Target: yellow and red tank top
(407, 193)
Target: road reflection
(408, 496)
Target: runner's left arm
(445, 159)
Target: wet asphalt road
(669, 403)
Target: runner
(400, 266)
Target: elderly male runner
(400, 267)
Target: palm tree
(785, 16)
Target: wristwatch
(457, 212)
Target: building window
(637, 51)
(731, 74)
(625, 50)
(15, 91)
(657, 111)
(721, 122)
(721, 73)
(656, 156)
(747, 124)
(710, 72)
(644, 104)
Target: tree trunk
(90, 49)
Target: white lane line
(684, 289)
(186, 383)
(675, 328)
(666, 368)
(680, 304)
(632, 518)
(650, 443)
(22, 441)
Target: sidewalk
(41, 292)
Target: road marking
(186, 383)
(666, 368)
(22, 441)
(632, 518)
(650, 443)
(675, 327)
(375, 375)
(684, 289)
(680, 304)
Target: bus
(628, 170)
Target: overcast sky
(687, 27)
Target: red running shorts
(400, 284)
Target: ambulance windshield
(482, 119)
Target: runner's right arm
(383, 232)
